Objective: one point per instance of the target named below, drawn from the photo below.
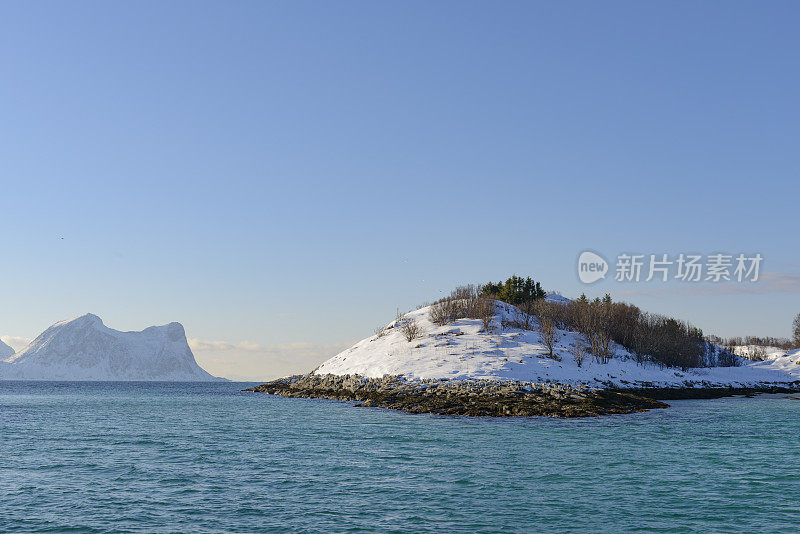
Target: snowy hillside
(758, 352)
(462, 350)
(5, 351)
(85, 349)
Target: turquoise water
(139, 457)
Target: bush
(758, 354)
(733, 342)
(546, 327)
(440, 313)
(600, 343)
(409, 327)
(648, 337)
(463, 303)
(578, 351)
(522, 317)
(664, 340)
(485, 310)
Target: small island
(510, 349)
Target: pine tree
(529, 290)
(515, 290)
(540, 294)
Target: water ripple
(151, 458)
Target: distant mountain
(85, 349)
(5, 351)
(555, 297)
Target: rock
(469, 397)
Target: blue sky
(288, 174)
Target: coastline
(713, 392)
(476, 398)
(493, 398)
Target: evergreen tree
(529, 289)
(515, 290)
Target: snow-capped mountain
(463, 350)
(85, 349)
(555, 297)
(5, 351)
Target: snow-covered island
(506, 351)
(465, 350)
(85, 349)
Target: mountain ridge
(84, 348)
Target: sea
(208, 457)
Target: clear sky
(280, 177)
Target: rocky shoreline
(485, 398)
(713, 392)
(491, 398)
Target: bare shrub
(758, 354)
(728, 352)
(578, 351)
(380, 331)
(462, 303)
(648, 337)
(409, 327)
(522, 317)
(600, 342)
(467, 292)
(546, 327)
(486, 313)
(440, 313)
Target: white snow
(555, 297)
(461, 351)
(750, 351)
(85, 349)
